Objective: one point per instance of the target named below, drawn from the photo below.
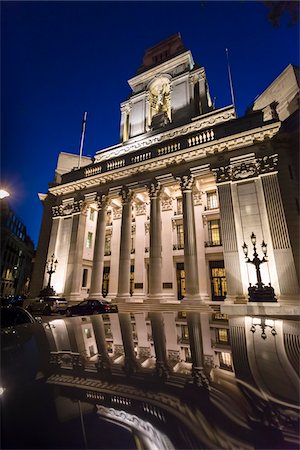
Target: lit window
(212, 200)
(87, 332)
(184, 332)
(179, 206)
(92, 214)
(222, 335)
(180, 236)
(214, 232)
(225, 360)
(89, 240)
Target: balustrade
(201, 138)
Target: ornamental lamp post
(51, 269)
(259, 292)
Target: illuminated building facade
(162, 216)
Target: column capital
(126, 195)
(153, 188)
(186, 182)
(102, 201)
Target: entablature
(185, 149)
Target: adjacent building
(17, 251)
(162, 216)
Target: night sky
(59, 59)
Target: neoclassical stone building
(162, 216)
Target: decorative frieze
(167, 204)
(140, 209)
(197, 197)
(117, 212)
(147, 227)
(66, 209)
(245, 170)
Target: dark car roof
(14, 315)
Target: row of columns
(155, 254)
(131, 362)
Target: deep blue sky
(59, 59)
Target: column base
(236, 299)
(169, 298)
(96, 296)
(74, 297)
(126, 298)
(192, 299)
(155, 298)
(293, 300)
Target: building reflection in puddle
(239, 373)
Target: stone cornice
(167, 66)
(208, 120)
(195, 152)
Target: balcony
(220, 344)
(216, 243)
(183, 340)
(178, 246)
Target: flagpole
(82, 139)
(230, 82)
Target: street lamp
(259, 292)
(4, 194)
(51, 269)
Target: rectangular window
(218, 280)
(212, 200)
(222, 336)
(214, 233)
(225, 360)
(184, 332)
(180, 237)
(92, 214)
(179, 206)
(84, 277)
(89, 239)
(107, 245)
(87, 332)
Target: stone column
(283, 256)
(155, 257)
(230, 247)
(131, 363)
(98, 258)
(190, 248)
(99, 332)
(74, 271)
(125, 247)
(196, 346)
(159, 340)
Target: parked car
(12, 316)
(44, 306)
(89, 307)
(24, 347)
